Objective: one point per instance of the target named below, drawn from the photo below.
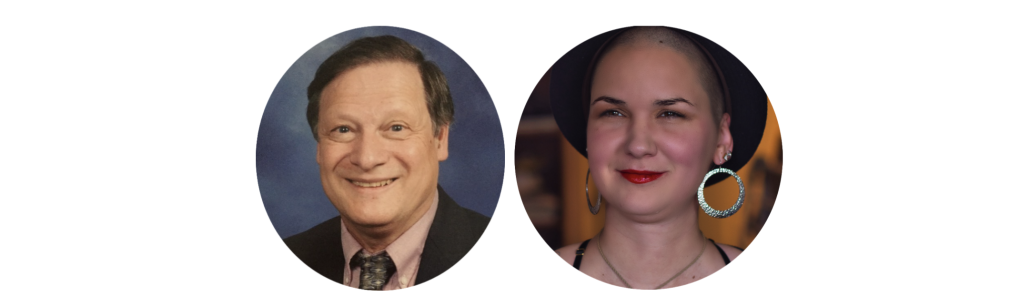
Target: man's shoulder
(329, 230)
(455, 215)
(320, 248)
(455, 230)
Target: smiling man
(381, 114)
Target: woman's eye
(669, 114)
(611, 113)
(396, 128)
(343, 129)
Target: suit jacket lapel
(449, 239)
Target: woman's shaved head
(661, 36)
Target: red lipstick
(640, 177)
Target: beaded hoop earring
(593, 209)
(701, 193)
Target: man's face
(377, 153)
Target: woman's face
(650, 132)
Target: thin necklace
(601, 250)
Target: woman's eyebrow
(669, 102)
(608, 100)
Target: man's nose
(368, 152)
(640, 142)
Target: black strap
(579, 254)
(721, 252)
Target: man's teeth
(372, 184)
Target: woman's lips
(640, 177)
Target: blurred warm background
(551, 174)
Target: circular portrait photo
(380, 158)
(648, 157)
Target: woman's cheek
(683, 149)
(603, 145)
(599, 154)
(602, 140)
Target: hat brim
(747, 99)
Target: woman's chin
(643, 209)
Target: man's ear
(441, 142)
(318, 153)
(725, 142)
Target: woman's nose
(368, 152)
(640, 142)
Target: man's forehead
(368, 106)
(400, 69)
(374, 89)
(390, 78)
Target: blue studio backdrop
(288, 174)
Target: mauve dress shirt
(406, 251)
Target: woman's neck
(660, 232)
(647, 250)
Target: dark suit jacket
(453, 233)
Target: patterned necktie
(375, 269)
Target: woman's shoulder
(568, 252)
(731, 251)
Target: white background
(129, 134)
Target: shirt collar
(406, 251)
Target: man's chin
(380, 213)
(369, 223)
(368, 218)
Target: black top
(583, 248)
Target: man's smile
(372, 184)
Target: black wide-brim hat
(746, 101)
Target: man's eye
(396, 128)
(343, 129)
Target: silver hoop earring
(593, 209)
(720, 213)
